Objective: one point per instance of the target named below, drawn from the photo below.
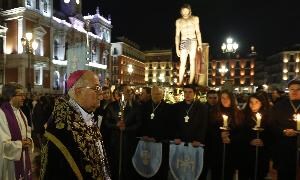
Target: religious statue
(188, 41)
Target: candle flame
(122, 98)
(224, 117)
(297, 117)
(258, 116)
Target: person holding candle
(15, 135)
(284, 127)
(257, 121)
(128, 121)
(218, 135)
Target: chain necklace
(186, 118)
(294, 107)
(153, 110)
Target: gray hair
(9, 90)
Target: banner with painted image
(186, 162)
(147, 158)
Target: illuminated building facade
(159, 67)
(283, 67)
(66, 41)
(127, 65)
(235, 72)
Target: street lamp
(30, 46)
(229, 46)
(130, 70)
(223, 70)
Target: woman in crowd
(231, 139)
(257, 119)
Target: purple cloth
(20, 170)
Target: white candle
(225, 120)
(122, 99)
(258, 120)
(297, 119)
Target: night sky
(269, 26)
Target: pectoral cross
(186, 118)
(152, 116)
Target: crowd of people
(92, 133)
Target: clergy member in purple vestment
(15, 135)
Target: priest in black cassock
(190, 119)
(284, 116)
(155, 125)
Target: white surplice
(11, 151)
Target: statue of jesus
(187, 40)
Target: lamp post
(229, 47)
(223, 70)
(130, 70)
(29, 45)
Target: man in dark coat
(156, 116)
(190, 118)
(122, 121)
(285, 129)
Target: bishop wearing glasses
(74, 148)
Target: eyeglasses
(97, 89)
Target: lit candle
(225, 120)
(122, 99)
(258, 120)
(297, 119)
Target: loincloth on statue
(186, 44)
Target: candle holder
(258, 129)
(225, 128)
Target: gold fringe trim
(66, 154)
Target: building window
(56, 50)
(292, 58)
(38, 51)
(37, 4)
(45, 6)
(66, 50)
(56, 77)
(1, 46)
(291, 68)
(38, 75)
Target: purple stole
(21, 172)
